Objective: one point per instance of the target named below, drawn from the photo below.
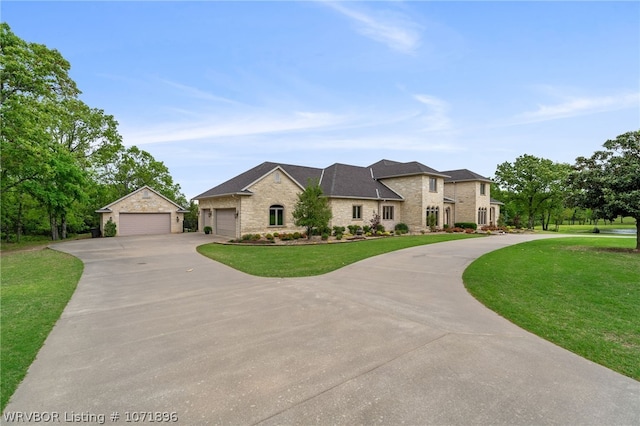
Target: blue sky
(215, 88)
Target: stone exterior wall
(209, 206)
(276, 188)
(469, 201)
(144, 201)
(342, 209)
(417, 197)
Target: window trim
(434, 187)
(482, 216)
(273, 213)
(388, 213)
(356, 212)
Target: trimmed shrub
(466, 225)
(338, 230)
(401, 228)
(297, 235)
(353, 229)
(110, 228)
(325, 236)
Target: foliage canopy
(60, 159)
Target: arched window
(276, 215)
(482, 216)
(435, 211)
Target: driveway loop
(392, 339)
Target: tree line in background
(601, 187)
(60, 159)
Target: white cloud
(577, 106)
(240, 125)
(197, 93)
(437, 117)
(397, 31)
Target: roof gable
(107, 208)
(239, 185)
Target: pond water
(628, 231)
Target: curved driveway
(395, 339)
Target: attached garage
(145, 223)
(225, 223)
(143, 212)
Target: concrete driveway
(395, 339)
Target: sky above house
(215, 88)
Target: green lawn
(581, 293)
(315, 259)
(35, 287)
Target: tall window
(483, 189)
(357, 212)
(387, 212)
(276, 215)
(433, 184)
(482, 216)
(433, 211)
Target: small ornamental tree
(609, 181)
(375, 222)
(312, 209)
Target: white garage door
(226, 222)
(144, 223)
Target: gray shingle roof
(343, 180)
(238, 184)
(463, 175)
(387, 168)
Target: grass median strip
(35, 287)
(313, 259)
(579, 293)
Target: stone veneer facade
(277, 188)
(469, 200)
(143, 201)
(417, 198)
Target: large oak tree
(609, 181)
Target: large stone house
(262, 199)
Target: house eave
(346, 197)
(227, 194)
(412, 174)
